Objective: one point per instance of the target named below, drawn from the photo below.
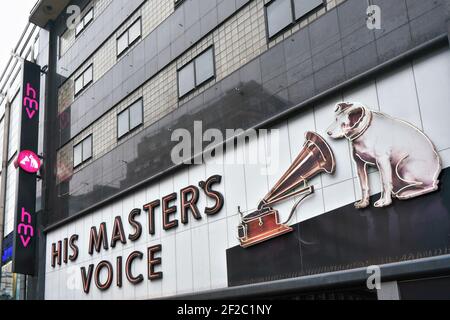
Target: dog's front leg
(361, 168)
(385, 168)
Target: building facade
(30, 47)
(120, 219)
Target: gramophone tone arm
(308, 190)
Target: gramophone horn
(315, 157)
(328, 164)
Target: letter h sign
(25, 228)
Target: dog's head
(347, 117)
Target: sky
(13, 19)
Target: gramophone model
(263, 224)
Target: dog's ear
(355, 116)
(341, 107)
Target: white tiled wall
(194, 256)
(432, 83)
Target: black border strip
(434, 266)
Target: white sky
(13, 19)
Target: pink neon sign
(25, 228)
(29, 161)
(29, 101)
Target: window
(82, 152)
(279, 16)
(177, 3)
(282, 13)
(13, 136)
(186, 79)
(36, 49)
(134, 32)
(84, 22)
(204, 67)
(129, 37)
(303, 7)
(122, 43)
(84, 80)
(79, 28)
(63, 44)
(196, 72)
(130, 119)
(2, 128)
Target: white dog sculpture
(407, 160)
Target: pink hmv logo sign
(30, 101)
(25, 228)
(28, 161)
(25, 232)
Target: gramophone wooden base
(280, 230)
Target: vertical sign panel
(25, 220)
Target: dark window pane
(13, 138)
(186, 81)
(2, 128)
(122, 43)
(87, 148)
(78, 84)
(279, 16)
(134, 32)
(79, 28)
(303, 7)
(136, 114)
(36, 49)
(177, 3)
(123, 122)
(204, 67)
(88, 17)
(87, 76)
(77, 155)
